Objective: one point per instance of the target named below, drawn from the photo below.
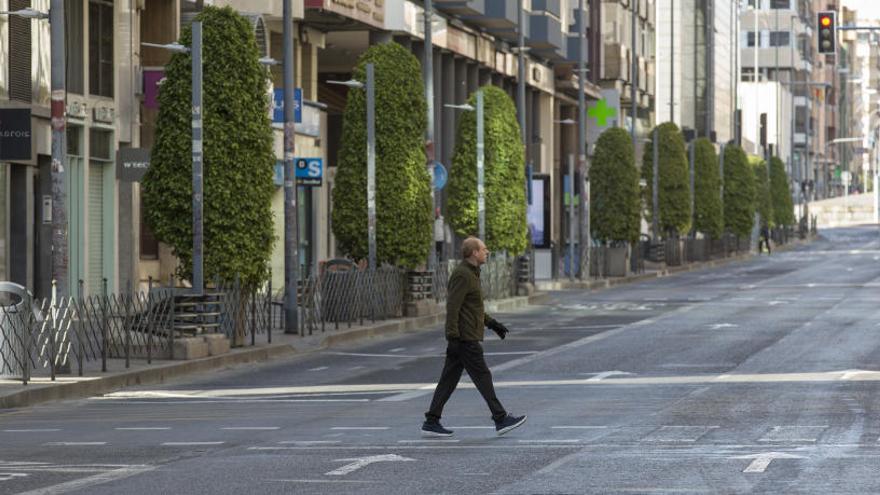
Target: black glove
(498, 328)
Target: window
(779, 38)
(101, 48)
(750, 39)
(101, 145)
(73, 32)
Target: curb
(36, 393)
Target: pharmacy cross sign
(602, 112)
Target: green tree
(783, 207)
(708, 214)
(614, 188)
(739, 192)
(238, 155)
(403, 186)
(504, 174)
(763, 203)
(674, 180)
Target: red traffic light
(825, 21)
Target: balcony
(545, 36)
(461, 7)
(551, 6)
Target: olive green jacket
(465, 317)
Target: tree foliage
(708, 212)
(403, 188)
(674, 180)
(783, 206)
(739, 192)
(238, 156)
(504, 174)
(614, 188)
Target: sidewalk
(94, 382)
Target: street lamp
(481, 148)
(59, 138)
(371, 158)
(198, 200)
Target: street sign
(441, 176)
(132, 164)
(309, 171)
(278, 106)
(15, 134)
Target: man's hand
(498, 328)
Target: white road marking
(320, 368)
(75, 485)
(679, 433)
(73, 444)
(10, 476)
(322, 481)
(577, 427)
(32, 430)
(355, 368)
(398, 349)
(553, 440)
(793, 434)
(309, 442)
(719, 326)
(605, 374)
(251, 428)
(426, 441)
(185, 444)
(471, 427)
(145, 428)
(762, 461)
(361, 462)
(360, 428)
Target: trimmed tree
(763, 203)
(708, 214)
(739, 192)
(238, 155)
(504, 175)
(674, 180)
(403, 185)
(614, 188)
(783, 206)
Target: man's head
(474, 251)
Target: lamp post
(59, 138)
(198, 281)
(481, 199)
(369, 86)
(584, 206)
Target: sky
(867, 9)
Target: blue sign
(309, 171)
(440, 176)
(278, 106)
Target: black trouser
(468, 356)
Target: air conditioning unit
(103, 114)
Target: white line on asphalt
(565, 440)
(319, 368)
(398, 349)
(321, 481)
(251, 428)
(581, 327)
(360, 428)
(354, 368)
(416, 447)
(185, 444)
(426, 441)
(73, 444)
(309, 442)
(576, 427)
(32, 430)
(151, 428)
(115, 475)
(235, 401)
(471, 427)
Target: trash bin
(14, 301)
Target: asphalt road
(758, 377)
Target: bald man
(465, 319)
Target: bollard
(80, 336)
(104, 327)
(150, 327)
(126, 322)
(171, 323)
(271, 313)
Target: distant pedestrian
(764, 240)
(465, 319)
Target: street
(757, 377)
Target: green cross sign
(602, 112)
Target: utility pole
(291, 249)
(198, 179)
(481, 187)
(521, 87)
(584, 203)
(428, 72)
(671, 60)
(59, 149)
(371, 167)
(634, 67)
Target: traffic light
(763, 130)
(826, 26)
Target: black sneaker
(509, 423)
(435, 430)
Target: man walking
(465, 320)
